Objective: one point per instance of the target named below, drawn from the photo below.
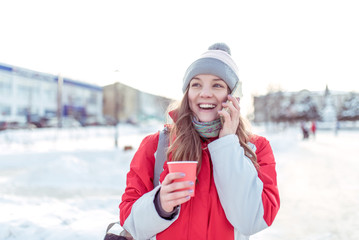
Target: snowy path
(71, 189)
(319, 188)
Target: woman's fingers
(225, 114)
(231, 118)
(234, 100)
(178, 197)
(233, 105)
(170, 205)
(171, 177)
(173, 193)
(175, 186)
(169, 200)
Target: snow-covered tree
(350, 108)
(306, 109)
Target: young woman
(236, 187)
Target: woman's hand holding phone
(230, 117)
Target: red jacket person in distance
(236, 192)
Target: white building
(298, 106)
(25, 93)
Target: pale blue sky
(293, 45)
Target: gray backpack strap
(122, 235)
(160, 156)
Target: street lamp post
(116, 113)
(59, 100)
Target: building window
(50, 113)
(92, 98)
(24, 92)
(5, 110)
(5, 87)
(21, 111)
(50, 95)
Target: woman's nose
(205, 92)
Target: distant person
(337, 127)
(313, 128)
(236, 192)
(305, 130)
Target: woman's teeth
(207, 106)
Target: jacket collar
(174, 115)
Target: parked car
(16, 125)
(36, 120)
(94, 121)
(67, 122)
(3, 125)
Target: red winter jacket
(233, 200)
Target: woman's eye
(218, 85)
(195, 85)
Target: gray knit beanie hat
(216, 61)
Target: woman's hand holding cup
(179, 184)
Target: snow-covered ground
(319, 186)
(67, 184)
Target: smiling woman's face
(206, 94)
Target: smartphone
(237, 93)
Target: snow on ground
(67, 184)
(319, 187)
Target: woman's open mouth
(207, 106)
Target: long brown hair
(185, 142)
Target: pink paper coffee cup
(189, 168)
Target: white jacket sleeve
(144, 222)
(238, 185)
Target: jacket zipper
(190, 220)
